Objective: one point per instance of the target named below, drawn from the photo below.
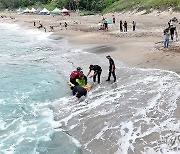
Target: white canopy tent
(45, 11)
(33, 10)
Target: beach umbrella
(56, 11)
(27, 10)
(33, 10)
(65, 10)
(108, 21)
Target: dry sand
(142, 48)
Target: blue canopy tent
(20, 10)
(44, 11)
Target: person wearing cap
(97, 72)
(111, 68)
(75, 75)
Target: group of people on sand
(123, 26)
(51, 27)
(3, 16)
(79, 80)
(169, 33)
(103, 24)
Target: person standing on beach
(166, 39)
(45, 29)
(97, 72)
(60, 25)
(134, 25)
(34, 23)
(51, 28)
(121, 26)
(125, 26)
(172, 31)
(111, 68)
(65, 25)
(105, 25)
(113, 18)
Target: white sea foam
(2, 124)
(10, 26)
(135, 115)
(38, 34)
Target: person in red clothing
(75, 75)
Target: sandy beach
(142, 48)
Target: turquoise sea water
(30, 80)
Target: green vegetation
(139, 5)
(94, 5)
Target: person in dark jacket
(121, 26)
(125, 26)
(111, 68)
(79, 91)
(172, 32)
(134, 25)
(97, 72)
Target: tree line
(89, 5)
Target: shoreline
(123, 112)
(141, 48)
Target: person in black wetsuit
(79, 91)
(97, 72)
(111, 68)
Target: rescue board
(87, 87)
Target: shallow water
(138, 114)
(30, 80)
(135, 115)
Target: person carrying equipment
(75, 75)
(79, 91)
(97, 72)
(111, 68)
